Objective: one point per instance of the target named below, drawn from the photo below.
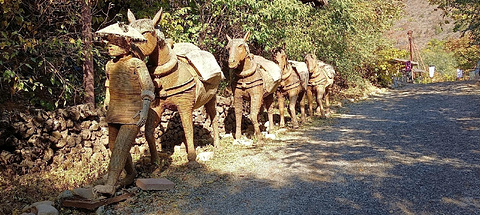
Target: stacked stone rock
(39, 140)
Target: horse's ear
(131, 16)
(228, 37)
(246, 36)
(158, 17)
(284, 45)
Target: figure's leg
(130, 171)
(255, 106)
(281, 108)
(120, 157)
(112, 137)
(186, 115)
(112, 134)
(293, 96)
(154, 117)
(210, 107)
(238, 104)
(310, 100)
(268, 102)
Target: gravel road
(413, 150)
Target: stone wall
(38, 140)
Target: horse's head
(311, 61)
(148, 30)
(280, 57)
(237, 50)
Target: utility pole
(410, 42)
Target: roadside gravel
(413, 150)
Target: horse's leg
(210, 107)
(310, 101)
(301, 97)
(185, 109)
(255, 106)
(238, 105)
(293, 96)
(154, 117)
(281, 107)
(268, 102)
(327, 97)
(320, 93)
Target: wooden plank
(94, 204)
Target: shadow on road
(410, 151)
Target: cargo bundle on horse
(256, 79)
(321, 79)
(294, 84)
(183, 83)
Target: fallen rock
(86, 193)
(205, 156)
(41, 208)
(244, 142)
(154, 184)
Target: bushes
(41, 44)
(444, 61)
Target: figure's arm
(148, 88)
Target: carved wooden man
(129, 91)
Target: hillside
(426, 21)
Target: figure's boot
(131, 173)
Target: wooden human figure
(129, 91)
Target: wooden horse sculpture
(178, 85)
(249, 82)
(292, 86)
(321, 79)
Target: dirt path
(413, 150)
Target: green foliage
(444, 61)
(464, 52)
(383, 69)
(35, 42)
(346, 34)
(465, 13)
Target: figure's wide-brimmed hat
(122, 30)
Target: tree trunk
(88, 73)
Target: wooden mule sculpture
(293, 84)
(179, 85)
(321, 79)
(256, 79)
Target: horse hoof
(193, 165)
(192, 157)
(154, 160)
(128, 180)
